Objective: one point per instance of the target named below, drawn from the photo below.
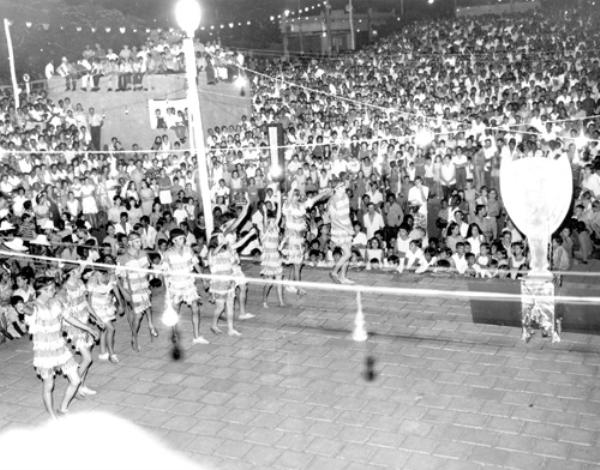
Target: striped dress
(182, 287)
(136, 282)
(102, 299)
(76, 306)
(221, 263)
(295, 228)
(271, 260)
(50, 351)
(341, 225)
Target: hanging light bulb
(424, 137)
(170, 317)
(581, 140)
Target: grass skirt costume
(271, 260)
(182, 287)
(101, 297)
(50, 351)
(137, 282)
(222, 263)
(295, 228)
(73, 298)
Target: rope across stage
(324, 286)
(438, 270)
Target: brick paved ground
(291, 392)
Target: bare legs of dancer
(340, 269)
(242, 291)
(135, 320)
(295, 276)
(267, 289)
(224, 303)
(107, 343)
(198, 339)
(83, 369)
(48, 398)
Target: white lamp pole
(11, 62)
(351, 19)
(187, 14)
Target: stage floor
(292, 391)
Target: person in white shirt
(591, 181)
(49, 70)
(124, 226)
(147, 233)
(220, 190)
(417, 200)
(66, 70)
(372, 221)
(359, 242)
(463, 227)
(374, 194)
(459, 260)
(415, 258)
(403, 241)
(448, 177)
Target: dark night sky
(35, 45)
(240, 9)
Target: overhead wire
(321, 286)
(100, 247)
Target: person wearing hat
(50, 351)
(342, 231)
(6, 228)
(16, 244)
(181, 288)
(135, 288)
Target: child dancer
(50, 351)
(73, 297)
(103, 294)
(271, 261)
(221, 260)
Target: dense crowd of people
(112, 70)
(392, 162)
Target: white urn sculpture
(537, 193)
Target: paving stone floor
(292, 392)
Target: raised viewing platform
(129, 114)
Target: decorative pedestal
(537, 308)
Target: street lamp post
(351, 19)
(187, 14)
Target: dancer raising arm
(271, 260)
(295, 229)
